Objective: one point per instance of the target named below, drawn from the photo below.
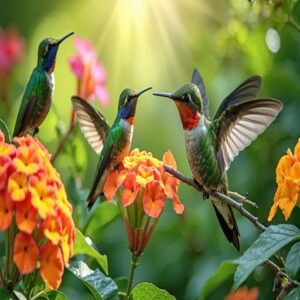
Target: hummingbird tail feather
(96, 191)
(228, 223)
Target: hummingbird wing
(34, 91)
(105, 164)
(246, 91)
(240, 124)
(198, 81)
(92, 123)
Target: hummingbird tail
(228, 223)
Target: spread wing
(92, 123)
(198, 81)
(246, 91)
(240, 124)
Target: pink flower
(11, 49)
(89, 71)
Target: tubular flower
(32, 191)
(89, 71)
(144, 186)
(243, 294)
(287, 195)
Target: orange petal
(131, 189)
(110, 186)
(297, 150)
(5, 162)
(243, 294)
(17, 186)
(169, 159)
(25, 253)
(27, 160)
(154, 199)
(177, 205)
(144, 175)
(26, 215)
(51, 265)
(6, 209)
(52, 229)
(284, 165)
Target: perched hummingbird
(37, 97)
(212, 145)
(113, 144)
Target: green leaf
(225, 270)
(56, 295)
(102, 215)
(267, 244)
(82, 247)
(122, 283)
(5, 131)
(149, 291)
(292, 262)
(293, 295)
(100, 286)
(4, 295)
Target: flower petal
(110, 186)
(25, 253)
(52, 266)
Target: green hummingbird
(112, 144)
(212, 145)
(37, 97)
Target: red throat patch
(189, 116)
(130, 120)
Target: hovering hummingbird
(37, 97)
(112, 144)
(212, 145)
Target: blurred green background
(158, 43)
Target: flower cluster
(144, 186)
(89, 71)
(288, 181)
(33, 198)
(243, 294)
(11, 49)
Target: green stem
(294, 24)
(36, 296)
(134, 264)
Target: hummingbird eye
(187, 98)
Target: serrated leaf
(293, 295)
(5, 131)
(56, 295)
(102, 215)
(267, 244)
(225, 270)
(82, 247)
(148, 291)
(292, 262)
(100, 286)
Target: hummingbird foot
(36, 131)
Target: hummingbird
(212, 145)
(111, 143)
(37, 97)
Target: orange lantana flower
(31, 190)
(25, 253)
(52, 266)
(243, 294)
(288, 181)
(144, 186)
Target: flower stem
(294, 24)
(62, 143)
(134, 264)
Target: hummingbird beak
(64, 37)
(167, 95)
(143, 91)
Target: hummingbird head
(47, 52)
(189, 104)
(127, 103)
